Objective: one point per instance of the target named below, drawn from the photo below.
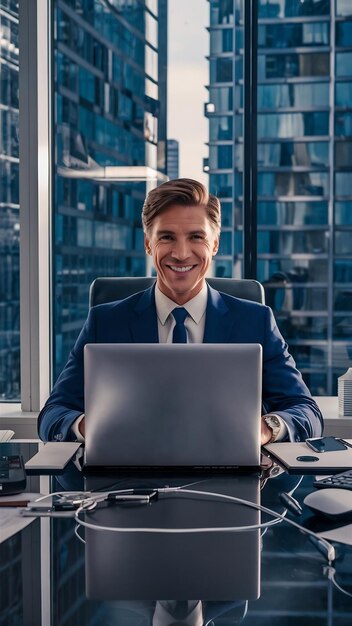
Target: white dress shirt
(194, 324)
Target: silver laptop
(173, 406)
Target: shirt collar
(195, 307)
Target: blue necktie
(179, 334)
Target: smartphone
(326, 444)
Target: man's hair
(183, 191)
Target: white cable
(330, 549)
(78, 535)
(330, 572)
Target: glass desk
(272, 576)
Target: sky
(188, 44)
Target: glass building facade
(172, 158)
(9, 204)
(304, 182)
(109, 110)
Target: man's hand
(82, 427)
(266, 432)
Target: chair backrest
(104, 290)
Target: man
(181, 223)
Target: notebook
(172, 406)
(298, 458)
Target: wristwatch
(274, 423)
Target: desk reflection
(176, 579)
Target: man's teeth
(186, 268)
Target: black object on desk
(12, 475)
(339, 481)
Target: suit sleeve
(66, 401)
(284, 391)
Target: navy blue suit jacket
(228, 320)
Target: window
(293, 154)
(301, 96)
(294, 35)
(9, 207)
(292, 8)
(290, 65)
(343, 93)
(343, 63)
(292, 124)
(292, 213)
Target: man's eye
(197, 237)
(165, 237)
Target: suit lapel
(218, 321)
(143, 322)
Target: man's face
(182, 244)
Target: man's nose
(180, 249)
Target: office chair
(103, 290)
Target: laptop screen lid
(172, 405)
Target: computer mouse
(334, 503)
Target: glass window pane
(343, 242)
(343, 124)
(343, 184)
(292, 213)
(343, 94)
(343, 33)
(226, 213)
(221, 98)
(284, 293)
(222, 12)
(343, 153)
(222, 185)
(221, 70)
(293, 184)
(300, 95)
(294, 8)
(286, 243)
(287, 154)
(343, 213)
(292, 124)
(110, 120)
(343, 63)
(9, 206)
(305, 270)
(343, 7)
(290, 65)
(294, 35)
(343, 272)
(221, 128)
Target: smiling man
(181, 222)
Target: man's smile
(181, 268)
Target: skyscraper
(172, 158)
(304, 181)
(110, 93)
(9, 204)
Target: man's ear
(147, 245)
(216, 245)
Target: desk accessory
(292, 456)
(338, 481)
(344, 392)
(333, 503)
(52, 457)
(6, 435)
(327, 444)
(12, 475)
